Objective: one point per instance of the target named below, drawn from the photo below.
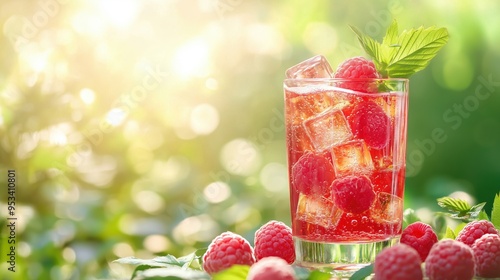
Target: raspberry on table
(274, 239)
(421, 237)
(450, 259)
(353, 194)
(474, 230)
(271, 268)
(357, 68)
(487, 255)
(369, 122)
(313, 173)
(226, 250)
(398, 262)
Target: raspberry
(369, 122)
(226, 250)
(313, 173)
(353, 194)
(450, 259)
(421, 237)
(474, 230)
(398, 262)
(274, 239)
(271, 268)
(357, 68)
(487, 255)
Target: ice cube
(303, 106)
(327, 129)
(387, 208)
(297, 139)
(352, 157)
(340, 99)
(314, 67)
(318, 210)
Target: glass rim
(346, 80)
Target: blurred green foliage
(148, 127)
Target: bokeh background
(141, 128)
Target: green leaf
(483, 216)
(184, 261)
(495, 212)
(136, 261)
(362, 273)
(475, 210)
(449, 233)
(400, 56)
(371, 47)
(235, 272)
(391, 36)
(138, 270)
(460, 209)
(319, 275)
(171, 273)
(417, 48)
(454, 204)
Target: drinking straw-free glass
(346, 145)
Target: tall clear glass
(346, 145)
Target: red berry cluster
(272, 254)
(475, 252)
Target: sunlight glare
(191, 59)
(85, 22)
(120, 13)
(116, 116)
(34, 58)
(87, 95)
(57, 137)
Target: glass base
(341, 259)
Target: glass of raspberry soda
(346, 145)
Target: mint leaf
(417, 48)
(391, 36)
(362, 273)
(235, 272)
(371, 47)
(460, 209)
(454, 205)
(495, 212)
(400, 56)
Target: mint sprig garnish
(400, 56)
(460, 209)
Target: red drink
(346, 160)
